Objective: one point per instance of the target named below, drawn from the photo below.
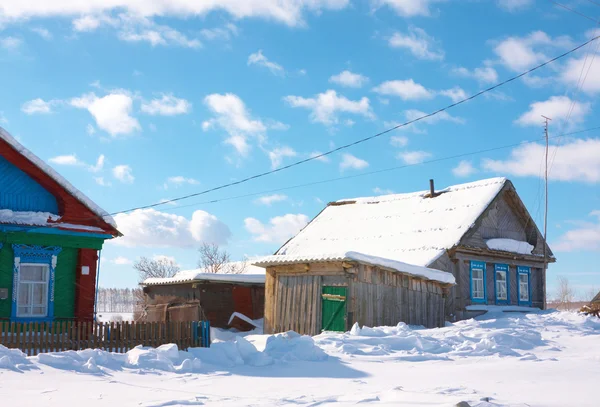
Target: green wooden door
(333, 305)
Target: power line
(360, 141)
(574, 11)
(452, 157)
(364, 174)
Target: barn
(391, 258)
(50, 238)
(193, 295)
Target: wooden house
(480, 234)
(194, 295)
(50, 236)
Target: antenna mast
(546, 123)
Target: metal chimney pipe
(431, 189)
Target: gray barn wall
(375, 297)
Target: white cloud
(350, 161)
(520, 53)
(514, 5)
(408, 8)
(270, 199)
(42, 32)
(398, 141)
(574, 160)
(419, 43)
(102, 182)
(37, 106)
(99, 164)
(121, 261)
(90, 130)
(231, 115)
(413, 157)
(456, 93)
(278, 154)
(464, 169)
(585, 237)
(485, 74)
(224, 33)
(557, 108)
(381, 191)
(70, 159)
(178, 181)
(571, 74)
(88, 23)
(155, 34)
(123, 173)
(289, 12)
(349, 79)
(167, 105)
(10, 43)
(278, 230)
(405, 89)
(259, 59)
(111, 112)
(327, 106)
(152, 228)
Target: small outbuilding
(194, 295)
(310, 294)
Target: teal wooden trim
(523, 270)
(38, 255)
(76, 242)
(477, 265)
(54, 231)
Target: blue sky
(135, 103)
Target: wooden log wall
(383, 297)
(463, 294)
(375, 297)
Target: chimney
(431, 189)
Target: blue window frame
(477, 280)
(524, 285)
(33, 282)
(501, 284)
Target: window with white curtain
(477, 283)
(32, 293)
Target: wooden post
(268, 321)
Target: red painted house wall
(85, 285)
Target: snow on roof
(250, 274)
(418, 271)
(411, 228)
(509, 245)
(27, 218)
(4, 135)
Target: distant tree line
(118, 299)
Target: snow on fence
(43, 337)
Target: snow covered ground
(536, 359)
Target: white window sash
(477, 283)
(45, 283)
(501, 287)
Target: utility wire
(574, 11)
(360, 141)
(461, 155)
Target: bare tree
(215, 260)
(565, 293)
(155, 268)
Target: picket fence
(43, 337)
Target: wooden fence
(42, 337)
